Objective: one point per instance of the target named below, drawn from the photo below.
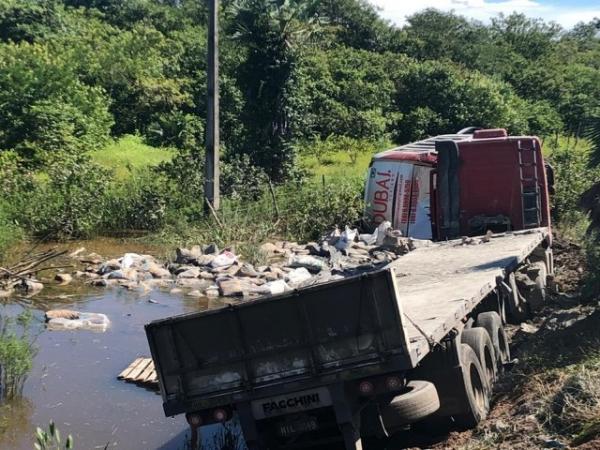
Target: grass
(129, 154)
(338, 163)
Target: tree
(436, 98)
(46, 108)
(357, 24)
(274, 33)
(434, 34)
(345, 91)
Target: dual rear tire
(466, 389)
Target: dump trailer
(419, 343)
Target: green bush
(138, 203)
(67, 200)
(313, 209)
(573, 176)
(16, 353)
(10, 233)
(46, 108)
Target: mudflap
(248, 425)
(348, 417)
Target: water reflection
(15, 422)
(73, 379)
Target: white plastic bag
(225, 259)
(347, 238)
(86, 321)
(277, 287)
(297, 276)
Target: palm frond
(592, 133)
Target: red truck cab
(460, 185)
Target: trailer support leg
(248, 425)
(348, 421)
(194, 437)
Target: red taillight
(195, 420)
(366, 388)
(393, 383)
(220, 415)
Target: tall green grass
(129, 154)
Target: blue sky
(566, 13)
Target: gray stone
(63, 278)
(247, 270)
(212, 292)
(204, 260)
(193, 283)
(188, 256)
(271, 249)
(195, 293)
(159, 272)
(234, 287)
(193, 272)
(210, 249)
(110, 266)
(312, 263)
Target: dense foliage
(297, 77)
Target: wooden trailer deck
(439, 284)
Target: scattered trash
(347, 238)
(63, 278)
(298, 276)
(277, 287)
(63, 320)
(225, 259)
(377, 237)
(311, 263)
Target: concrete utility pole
(211, 170)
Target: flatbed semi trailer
(349, 362)
(420, 342)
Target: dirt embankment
(551, 397)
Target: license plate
(307, 425)
(291, 403)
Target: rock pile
(204, 271)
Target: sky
(566, 13)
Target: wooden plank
(151, 378)
(139, 369)
(147, 371)
(129, 368)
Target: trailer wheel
(420, 401)
(538, 274)
(518, 310)
(475, 390)
(492, 323)
(478, 339)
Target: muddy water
(73, 380)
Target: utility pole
(211, 167)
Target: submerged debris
(64, 319)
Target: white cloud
(567, 16)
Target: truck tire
(420, 401)
(518, 310)
(476, 394)
(492, 323)
(479, 340)
(538, 274)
